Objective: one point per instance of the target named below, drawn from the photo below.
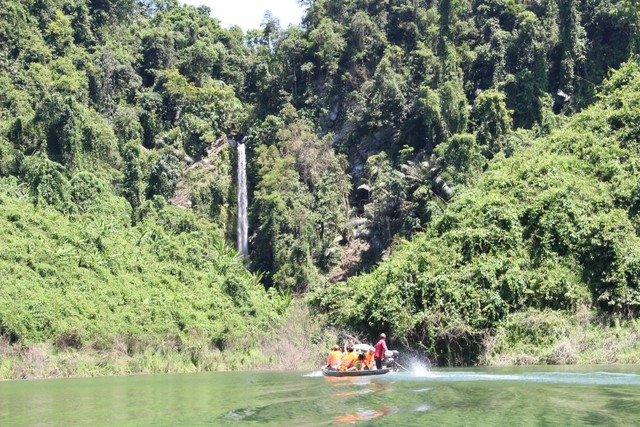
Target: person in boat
(369, 362)
(334, 358)
(359, 364)
(348, 360)
(381, 349)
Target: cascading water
(243, 221)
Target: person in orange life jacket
(381, 349)
(334, 358)
(348, 359)
(359, 364)
(369, 362)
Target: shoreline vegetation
(299, 342)
(555, 338)
(296, 341)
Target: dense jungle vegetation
(461, 174)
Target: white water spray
(418, 367)
(243, 220)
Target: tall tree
(572, 45)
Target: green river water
(548, 396)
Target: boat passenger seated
(334, 358)
(348, 360)
(359, 364)
(369, 361)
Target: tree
(388, 211)
(133, 178)
(151, 112)
(111, 12)
(323, 173)
(291, 50)
(61, 119)
(572, 45)
(492, 121)
(126, 124)
(367, 41)
(461, 159)
(528, 63)
(158, 53)
(60, 33)
(271, 29)
(199, 60)
(111, 81)
(280, 211)
(178, 94)
(454, 107)
(430, 110)
(47, 182)
(300, 206)
(632, 13)
(163, 178)
(328, 43)
(387, 105)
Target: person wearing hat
(381, 349)
(369, 362)
(334, 358)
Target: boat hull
(328, 373)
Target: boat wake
(417, 368)
(601, 378)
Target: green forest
(463, 175)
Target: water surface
(569, 396)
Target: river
(549, 396)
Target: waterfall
(243, 221)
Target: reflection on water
(363, 415)
(462, 397)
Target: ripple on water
(239, 414)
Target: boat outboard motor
(390, 358)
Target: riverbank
(299, 341)
(551, 337)
(296, 341)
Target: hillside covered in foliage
(554, 227)
(436, 169)
(93, 143)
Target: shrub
(164, 176)
(47, 182)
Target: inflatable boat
(330, 373)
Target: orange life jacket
(369, 362)
(348, 360)
(334, 358)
